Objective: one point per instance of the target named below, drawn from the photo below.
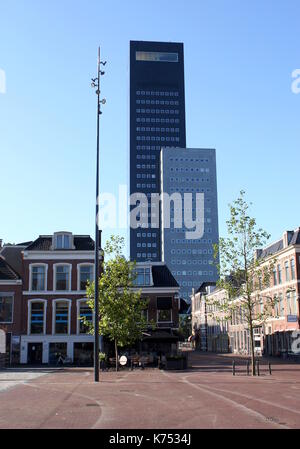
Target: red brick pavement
(207, 396)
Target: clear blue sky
(239, 56)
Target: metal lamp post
(96, 84)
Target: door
(35, 353)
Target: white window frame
(54, 276)
(32, 265)
(9, 295)
(54, 302)
(84, 264)
(78, 302)
(29, 303)
(62, 233)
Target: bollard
(233, 368)
(131, 365)
(248, 367)
(258, 373)
(270, 369)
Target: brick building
(43, 298)
(275, 335)
(10, 312)
(160, 288)
(209, 326)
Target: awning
(161, 335)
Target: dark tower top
(157, 119)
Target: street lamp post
(96, 84)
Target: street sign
(123, 360)
(292, 318)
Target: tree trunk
(252, 349)
(116, 353)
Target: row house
(10, 313)
(161, 290)
(43, 300)
(276, 334)
(278, 330)
(210, 328)
(53, 271)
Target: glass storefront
(84, 354)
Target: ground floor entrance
(35, 353)
(57, 349)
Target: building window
(276, 307)
(164, 310)
(279, 274)
(86, 273)
(62, 277)
(145, 314)
(293, 270)
(61, 317)
(85, 314)
(6, 309)
(37, 318)
(143, 276)
(274, 277)
(62, 241)
(287, 272)
(281, 305)
(164, 316)
(156, 57)
(38, 278)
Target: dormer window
(63, 240)
(143, 276)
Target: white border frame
(84, 264)
(54, 276)
(78, 302)
(29, 303)
(69, 301)
(36, 264)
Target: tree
(244, 274)
(185, 326)
(120, 303)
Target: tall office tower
(190, 260)
(157, 118)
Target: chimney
(287, 236)
(257, 253)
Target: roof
(204, 285)
(162, 276)
(44, 242)
(13, 256)
(7, 273)
(293, 238)
(272, 249)
(184, 307)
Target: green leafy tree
(120, 303)
(244, 274)
(185, 326)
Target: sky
(239, 59)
